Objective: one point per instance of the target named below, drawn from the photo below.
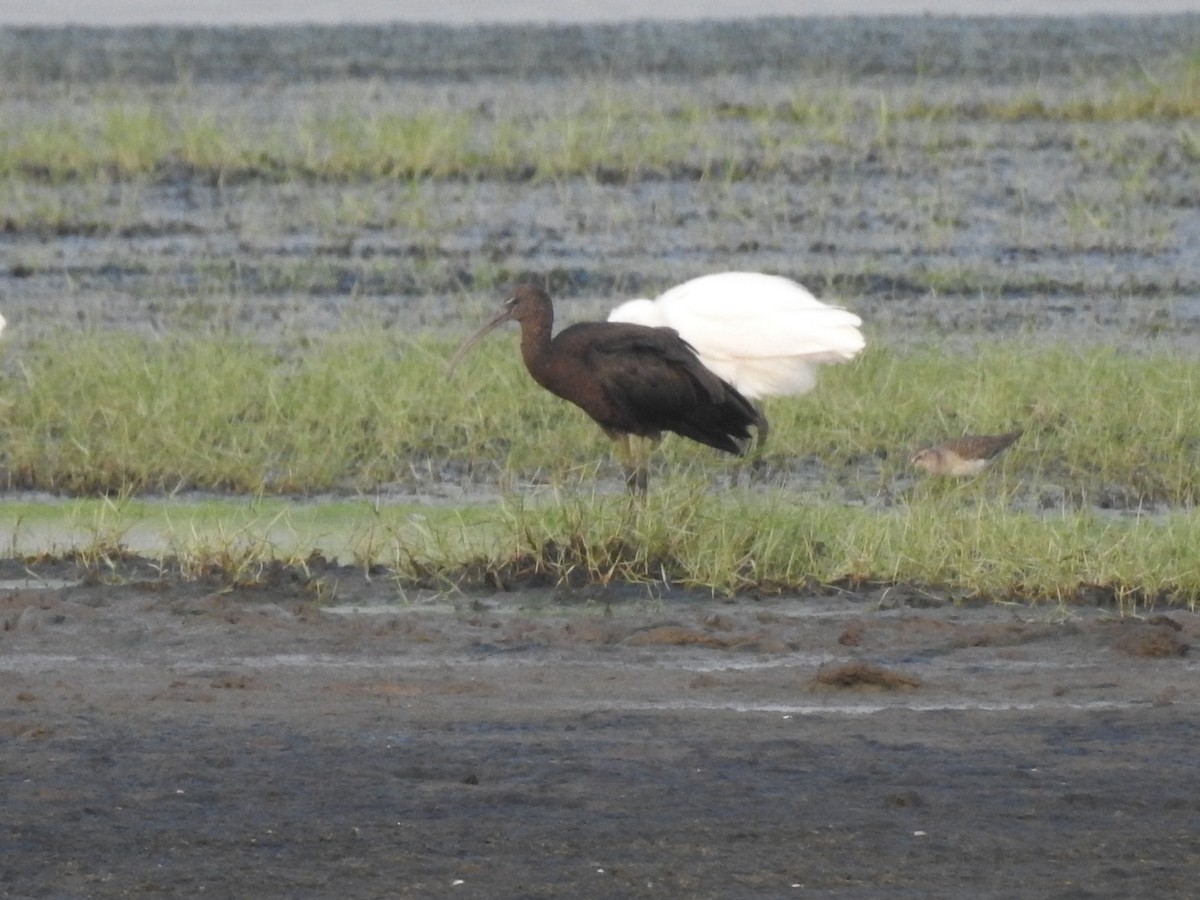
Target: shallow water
(198, 526)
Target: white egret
(763, 334)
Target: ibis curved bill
(633, 380)
(764, 334)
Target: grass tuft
(612, 131)
(111, 413)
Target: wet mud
(167, 740)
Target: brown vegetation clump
(1152, 642)
(675, 636)
(865, 675)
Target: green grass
(113, 413)
(610, 130)
(971, 546)
(356, 412)
(739, 542)
(234, 536)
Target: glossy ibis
(633, 380)
(963, 456)
(763, 334)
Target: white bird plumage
(764, 334)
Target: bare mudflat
(166, 741)
(171, 737)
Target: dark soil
(164, 739)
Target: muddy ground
(168, 740)
(162, 738)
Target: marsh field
(290, 611)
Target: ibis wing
(655, 382)
(652, 366)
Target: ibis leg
(761, 429)
(636, 475)
(755, 463)
(636, 480)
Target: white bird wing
(769, 291)
(639, 312)
(762, 333)
(748, 315)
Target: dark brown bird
(963, 456)
(631, 379)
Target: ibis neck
(535, 342)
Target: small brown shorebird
(963, 456)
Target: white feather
(763, 334)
